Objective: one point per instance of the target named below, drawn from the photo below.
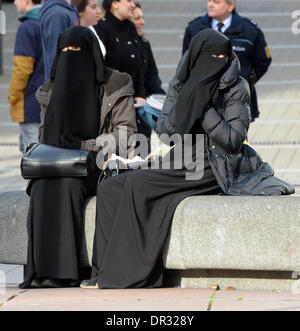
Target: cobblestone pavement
(275, 135)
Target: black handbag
(45, 161)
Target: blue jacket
(248, 43)
(56, 17)
(28, 70)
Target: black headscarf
(77, 76)
(200, 74)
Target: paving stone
(255, 305)
(255, 300)
(7, 293)
(10, 274)
(262, 295)
(14, 275)
(149, 299)
(111, 300)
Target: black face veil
(200, 75)
(77, 76)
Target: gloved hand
(70, 142)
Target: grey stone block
(210, 236)
(239, 279)
(240, 233)
(13, 231)
(88, 235)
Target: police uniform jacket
(248, 43)
(123, 51)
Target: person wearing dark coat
(236, 165)
(83, 101)
(120, 38)
(212, 108)
(247, 39)
(151, 76)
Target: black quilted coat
(237, 167)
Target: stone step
(197, 6)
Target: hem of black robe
(158, 283)
(84, 273)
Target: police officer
(247, 39)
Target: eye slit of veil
(71, 48)
(219, 55)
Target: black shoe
(90, 283)
(49, 283)
(36, 283)
(55, 283)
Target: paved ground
(275, 135)
(163, 300)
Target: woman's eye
(218, 55)
(71, 48)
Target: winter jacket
(239, 170)
(122, 49)
(28, 70)
(151, 76)
(166, 122)
(117, 112)
(56, 16)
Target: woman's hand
(70, 142)
(140, 101)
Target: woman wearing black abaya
(83, 100)
(129, 238)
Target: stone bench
(248, 243)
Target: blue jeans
(29, 133)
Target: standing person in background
(28, 73)
(120, 38)
(89, 15)
(247, 39)
(56, 16)
(151, 77)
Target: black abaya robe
(134, 215)
(135, 210)
(55, 221)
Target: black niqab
(200, 75)
(77, 76)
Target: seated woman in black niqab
(212, 109)
(83, 100)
